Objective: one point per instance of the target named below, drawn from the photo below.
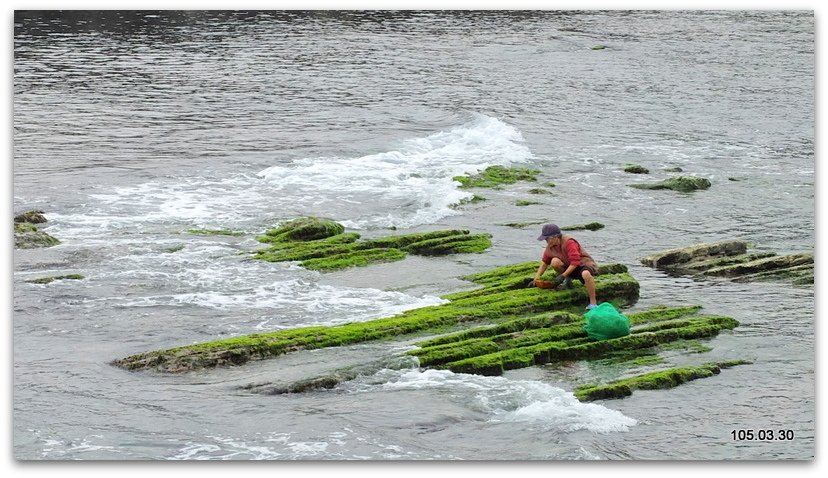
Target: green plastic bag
(605, 322)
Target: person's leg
(589, 282)
(557, 265)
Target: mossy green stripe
(661, 379)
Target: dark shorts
(576, 274)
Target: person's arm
(541, 269)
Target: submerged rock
(684, 184)
(731, 259)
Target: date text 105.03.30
(766, 434)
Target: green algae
(494, 176)
(524, 202)
(490, 308)
(23, 227)
(50, 279)
(599, 47)
(684, 184)
(582, 348)
(31, 217)
(516, 276)
(636, 169)
(539, 191)
(353, 259)
(305, 229)
(175, 248)
(27, 235)
(327, 247)
(522, 225)
(674, 169)
(592, 226)
(662, 379)
(472, 200)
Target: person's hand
(544, 284)
(566, 281)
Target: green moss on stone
(34, 239)
(662, 379)
(472, 200)
(636, 169)
(684, 184)
(491, 308)
(353, 259)
(583, 348)
(343, 250)
(592, 226)
(522, 225)
(539, 191)
(523, 202)
(495, 176)
(50, 279)
(466, 243)
(23, 227)
(32, 217)
(305, 229)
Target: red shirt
(572, 251)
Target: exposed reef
(504, 295)
(684, 184)
(592, 226)
(50, 279)
(661, 379)
(495, 176)
(731, 259)
(636, 169)
(323, 245)
(26, 233)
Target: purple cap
(549, 230)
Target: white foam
(310, 303)
(413, 183)
(404, 187)
(518, 400)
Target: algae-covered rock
(50, 279)
(306, 229)
(592, 226)
(524, 202)
(661, 379)
(26, 233)
(32, 217)
(684, 184)
(730, 259)
(494, 176)
(636, 169)
(493, 307)
(324, 246)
